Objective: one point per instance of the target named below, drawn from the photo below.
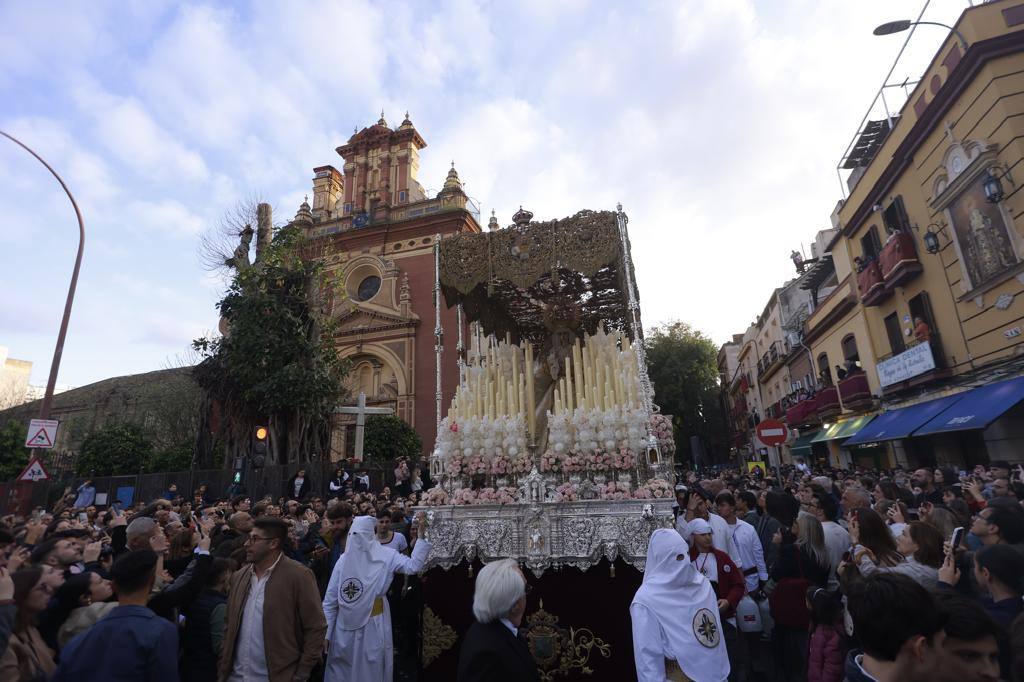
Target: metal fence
(147, 487)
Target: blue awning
(977, 408)
(900, 423)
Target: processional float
(551, 450)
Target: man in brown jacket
(275, 620)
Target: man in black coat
(492, 650)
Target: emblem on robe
(705, 629)
(351, 590)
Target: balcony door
(895, 334)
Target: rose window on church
(368, 288)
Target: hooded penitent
(364, 568)
(683, 602)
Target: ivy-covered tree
(115, 450)
(276, 365)
(175, 458)
(386, 437)
(13, 453)
(683, 366)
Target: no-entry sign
(772, 432)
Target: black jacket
(790, 566)
(491, 653)
(305, 489)
(199, 662)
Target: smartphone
(36, 515)
(958, 536)
(83, 517)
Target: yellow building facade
(930, 249)
(916, 343)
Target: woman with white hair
(677, 632)
(359, 644)
(492, 650)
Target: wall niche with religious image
(983, 234)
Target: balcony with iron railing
(898, 262)
(871, 284)
(772, 359)
(826, 403)
(855, 391)
(801, 413)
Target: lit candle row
(601, 374)
(495, 384)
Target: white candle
(531, 404)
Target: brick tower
(376, 228)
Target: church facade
(376, 229)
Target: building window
(895, 334)
(368, 288)
(895, 217)
(348, 209)
(824, 372)
(869, 244)
(403, 196)
(850, 353)
(923, 322)
(921, 307)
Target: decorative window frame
(358, 269)
(964, 164)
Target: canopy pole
(438, 330)
(634, 311)
(460, 346)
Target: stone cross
(360, 411)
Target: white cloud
(126, 128)
(163, 217)
(718, 126)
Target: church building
(375, 228)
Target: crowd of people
(836, 575)
(793, 574)
(179, 588)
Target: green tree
(114, 450)
(386, 437)
(175, 458)
(683, 365)
(13, 453)
(276, 365)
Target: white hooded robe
(361, 647)
(675, 616)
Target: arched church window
(368, 288)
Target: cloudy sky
(717, 124)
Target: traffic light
(259, 447)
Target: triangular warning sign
(34, 472)
(40, 440)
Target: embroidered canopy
(529, 279)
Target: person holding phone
(86, 495)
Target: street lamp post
(44, 410)
(903, 24)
